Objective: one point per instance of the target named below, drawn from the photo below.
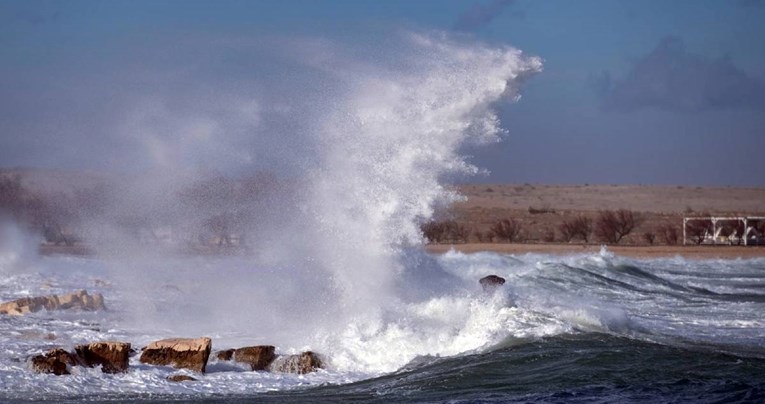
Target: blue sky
(642, 92)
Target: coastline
(640, 252)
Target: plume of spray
(387, 148)
(360, 141)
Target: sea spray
(387, 147)
(365, 142)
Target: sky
(633, 92)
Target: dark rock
(181, 378)
(259, 357)
(491, 282)
(225, 355)
(112, 356)
(303, 363)
(56, 361)
(184, 353)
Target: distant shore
(663, 251)
(687, 251)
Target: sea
(362, 143)
(575, 328)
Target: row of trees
(609, 227)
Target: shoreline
(640, 252)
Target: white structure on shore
(740, 230)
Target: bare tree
(698, 230)
(578, 227)
(611, 227)
(508, 230)
(669, 234)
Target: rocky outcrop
(491, 282)
(225, 355)
(303, 363)
(258, 357)
(56, 361)
(181, 378)
(112, 356)
(186, 353)
(78, 300)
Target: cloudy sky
(642, 92)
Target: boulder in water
(303, 363)
(259, 357)
(81, 300)
(186, 353)
(56, 361)
(491, 282)
(225, 355)
(112, 356)
(181, 378)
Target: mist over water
(354, 148)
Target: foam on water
(544, 296)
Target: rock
(225, 355)
(27, 305)
(82, 300)
(56, 361)
(187, 353)
(181, 378)
(78, 300)
(303, 363)
(112, 356)
(491, 282)
(259, 357)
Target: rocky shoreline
(180, 353)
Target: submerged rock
(259, 357)
(112, 356)
(186, 353)
(181, 378)
(77, 300)
(56, 361)
(491, 282)
(303, 363)
(225, 355)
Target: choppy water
(576, 328)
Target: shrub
(611, 227)
(448, 231)
(482, 237)
(578, 227)
(549, 235)
(649, 237)
(540, 211)
(508, 230)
